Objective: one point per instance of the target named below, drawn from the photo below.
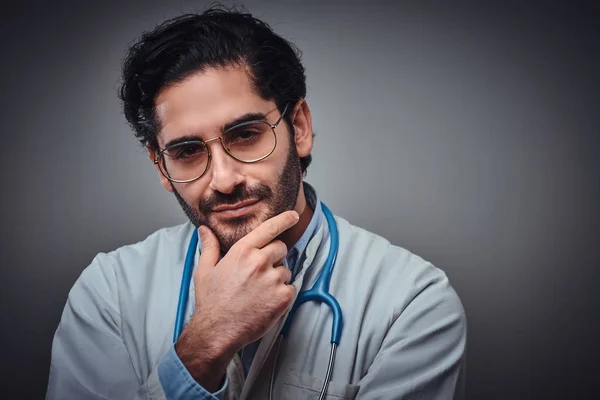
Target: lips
(237, 209)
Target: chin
(247, 219)
(235, 228)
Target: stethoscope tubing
(184, 288)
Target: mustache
(239, 194)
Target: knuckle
(281, 252)
(274, 277)
(285, 273)
(282, 247)
(243, 250)
(276, 253)
(282, 271)
(259, 259)
(288, 294)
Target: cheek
(266, 171)
(192, 192)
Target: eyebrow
(254, 116)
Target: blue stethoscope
(319, 292)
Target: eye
(246, 135)
(186, 151)
(243, 135)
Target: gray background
(467, 133)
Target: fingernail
(296, 216)
(201, 231)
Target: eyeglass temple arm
(281, 116)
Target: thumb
(210, 248)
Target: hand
(238, 299)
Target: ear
(302, 122)
(163, 180)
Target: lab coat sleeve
(89, 358)
(423, 353)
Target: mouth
(235, 210)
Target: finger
(210, 248)
(276, 252)
(285, 273)
(270, 229)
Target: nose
(223, 170)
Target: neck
(292, 235)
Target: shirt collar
(295, 255)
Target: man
(218, 99)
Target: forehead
(204, 102)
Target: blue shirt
(175, 378)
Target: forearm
(204, 355)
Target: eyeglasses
(247, 142)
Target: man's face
(201, 106)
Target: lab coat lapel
(266, 343)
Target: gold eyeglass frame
(220, 139)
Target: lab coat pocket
(297, 386)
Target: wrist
(203, 355)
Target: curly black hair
(216, 38)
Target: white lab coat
(404, 333)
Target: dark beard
(282, 198)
